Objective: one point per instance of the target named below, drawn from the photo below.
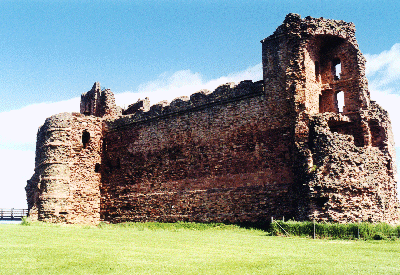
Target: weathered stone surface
(278, 147)
(65, 186)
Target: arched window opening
(85, 138)
(337, 68)
(340, 101)
(97, 168)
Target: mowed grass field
(188, 249)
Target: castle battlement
(224, 94)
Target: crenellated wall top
(225, 93)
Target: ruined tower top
(295, 26)
(318, 59)
(98, 102)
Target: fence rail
(12, 214)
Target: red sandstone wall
(84, 204)
(348, 182)
(227, 162)
(65, 186)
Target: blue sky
(53, 51)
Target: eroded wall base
(347, 182)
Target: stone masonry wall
(216, 157)
(65, 186)
(350, 183)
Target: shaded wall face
(280, 81)
(225, 163)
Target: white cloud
(383, 73)
(384, 68)
(20, 126)
(183, 83)
(17, 147)
(165, 87)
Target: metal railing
(12, 214)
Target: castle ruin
(279, 147)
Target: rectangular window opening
(340, 101)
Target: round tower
(65, 185)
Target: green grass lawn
(169, 249)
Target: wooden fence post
(314, 229)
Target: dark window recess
(389, 165)
(320, 202)
(316, 70)
(118, 164)
(97, 167)
(358, 135)
(378, 135)
(63, 213)
(85, 138)
(348, 128)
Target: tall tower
(66, 184)
(307, 65)
(310, 61)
